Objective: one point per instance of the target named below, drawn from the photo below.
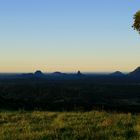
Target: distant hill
(39, 74)
(135, 73)
(57, 73)
(117, 74)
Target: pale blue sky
(68, 35)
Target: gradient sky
(68, 35)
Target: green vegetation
(37, 125)
(136, 24)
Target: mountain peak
(38, 73)
(117, 73)
(79, 73)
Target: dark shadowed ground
(71, 93)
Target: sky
(68, 35)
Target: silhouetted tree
(136, 24)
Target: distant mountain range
(40, 74)
(135, 74)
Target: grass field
(94, 125)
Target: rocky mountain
(79, 73)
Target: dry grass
(96, 125)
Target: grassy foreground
(94, 125)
